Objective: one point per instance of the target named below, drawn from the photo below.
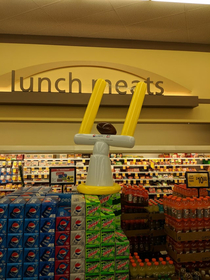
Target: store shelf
(7, 190)
(54, 159)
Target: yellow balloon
(134, 110)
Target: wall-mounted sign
(62, 175)
(197, 179)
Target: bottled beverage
(133, 271)
(193, 208)
(165, 269)
(200, 208)
(156, 271)
(141, 244)
(186, 225)
(129, 194)
(185, 211)
(153, 260)
(130, 263)
(194, 246)
(179, 225)
(186, 247)
(193, 225)
(207, 245)
(168, 259)
(149, 270)
(200, 246)
(178, 206)
(141, 270)
(200, 224)
(206, 224)
(178, 247)
(146, 260)
(171, 268)
(136, 244)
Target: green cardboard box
(124, 275)
(92, 267)
(107, 220)
(121, 264)
(93, 237)
(107, 276)
(92, 253)
(108, 265)
(109, 199)
(92, 276)
(107, 252)
(93, 223)
(108, 237)
(93, 206)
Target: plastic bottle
(186, 247)
(171, 268)
(193, 208)
(200, 246)
(141, 270)
(178, 247)
(194, 246)
(149, 270)
(156, 271)
(134, 271)
(153, 260)
(207, 245)
(186, 206)
(130, 263)
(206, 204)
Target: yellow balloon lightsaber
(99, 178)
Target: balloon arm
(111, 140)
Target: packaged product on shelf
(78, 205)
(107, 251)
(93, 237)
(93, 223)
(93, 206)
(107, 276)
(93, 276)
(78, 223)
(92, 253)
(77, 251)
(122, 275)
(76, 276)
(92, 267)
(107, 219)
(108, 265)
(77, 265)
(108, 237)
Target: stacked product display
(187, 228)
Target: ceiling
(107, 19)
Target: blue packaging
(14, 240)
(4, 206)
(47, 225)
(15, 225)
(46, 278)
(30, 269)
(3, 225)
(17, 208)
(46, 269)
(14, 270)
(32, 208)
(31, 240)
(63, 211)
(49, 207)
(30, 278)
(47, 254)
(3, 255)
(15, 255)
(64, 198)
(31, 225)
(3, 241)
(31, 255)
(47, 239)
(2, 271)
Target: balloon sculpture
(99, 178)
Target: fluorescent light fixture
(207, 2)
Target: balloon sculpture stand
(99, 178)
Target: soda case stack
(114, 251)
(47, 238)
(27, 230)
(62, 238)
(78, 236)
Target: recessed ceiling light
(186, 1)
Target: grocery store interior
(105, 189)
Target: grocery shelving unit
(155, 173)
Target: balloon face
(106, 128)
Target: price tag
(45, 176)
(83, 161)
(69, 161)
(39, 176)
(134, 161)
(186, 160)
(145, 167)
(124, 167)
(193, 160)
(84, 168)
(197, 179)
(19, 163)
(158, 195)
(125, 161)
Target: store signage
(197, 179)
(120, 85)
(62, 175)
